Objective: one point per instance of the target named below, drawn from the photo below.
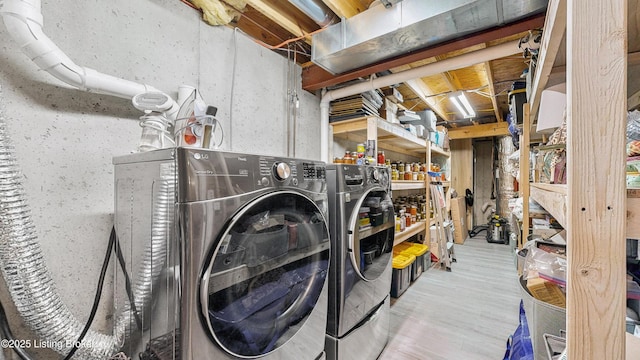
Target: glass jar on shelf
(346, 159)
(381, 158)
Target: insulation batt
(214, 12)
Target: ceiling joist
(478, 131)
(343, 9)
(425, 94)
(492, 91)
(285, 17)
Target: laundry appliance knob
(281, 171)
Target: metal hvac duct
(380, 33)
(317, 11)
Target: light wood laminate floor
(465, 314)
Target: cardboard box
(388, 112)
(459, 217)
(393, 94)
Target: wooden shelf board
(390, 137)
(412, 230)
(553, 198)
(554, 29)
(440, 151)
(408, 185)
(556, 188)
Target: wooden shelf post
(525, 140)
(596, 195)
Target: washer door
(265, 274)
(371, 234)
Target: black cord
(96, 300)
(7, 334)
(127, 282)
(5, 330)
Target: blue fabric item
(519, 345)
(252, 324)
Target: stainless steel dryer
(245, 276)
(362, 228)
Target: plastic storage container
(400, 279)
(422, 254)
(517, 98)
(543, 318)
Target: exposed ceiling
(279, 24)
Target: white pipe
(458, 62)
(24, 21)
(324, 131)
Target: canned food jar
(354, 157)
(381, 158)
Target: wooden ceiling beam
(343, 8)
(315, 78)
(280, 15)
(422, 90)
(478, 131)
(492, 91)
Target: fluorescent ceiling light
(463, 105)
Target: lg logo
(199, 156)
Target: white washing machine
(245, 273)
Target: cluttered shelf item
(442, 243)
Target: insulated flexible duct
(153, 261)
(29, 281)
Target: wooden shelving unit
(393, 137)
(551, 197)
(388, 136)
(400, 185)
(593, 206)
(412, 230)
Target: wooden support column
(596, 208)
(525, 142)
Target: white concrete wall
(65, 139)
